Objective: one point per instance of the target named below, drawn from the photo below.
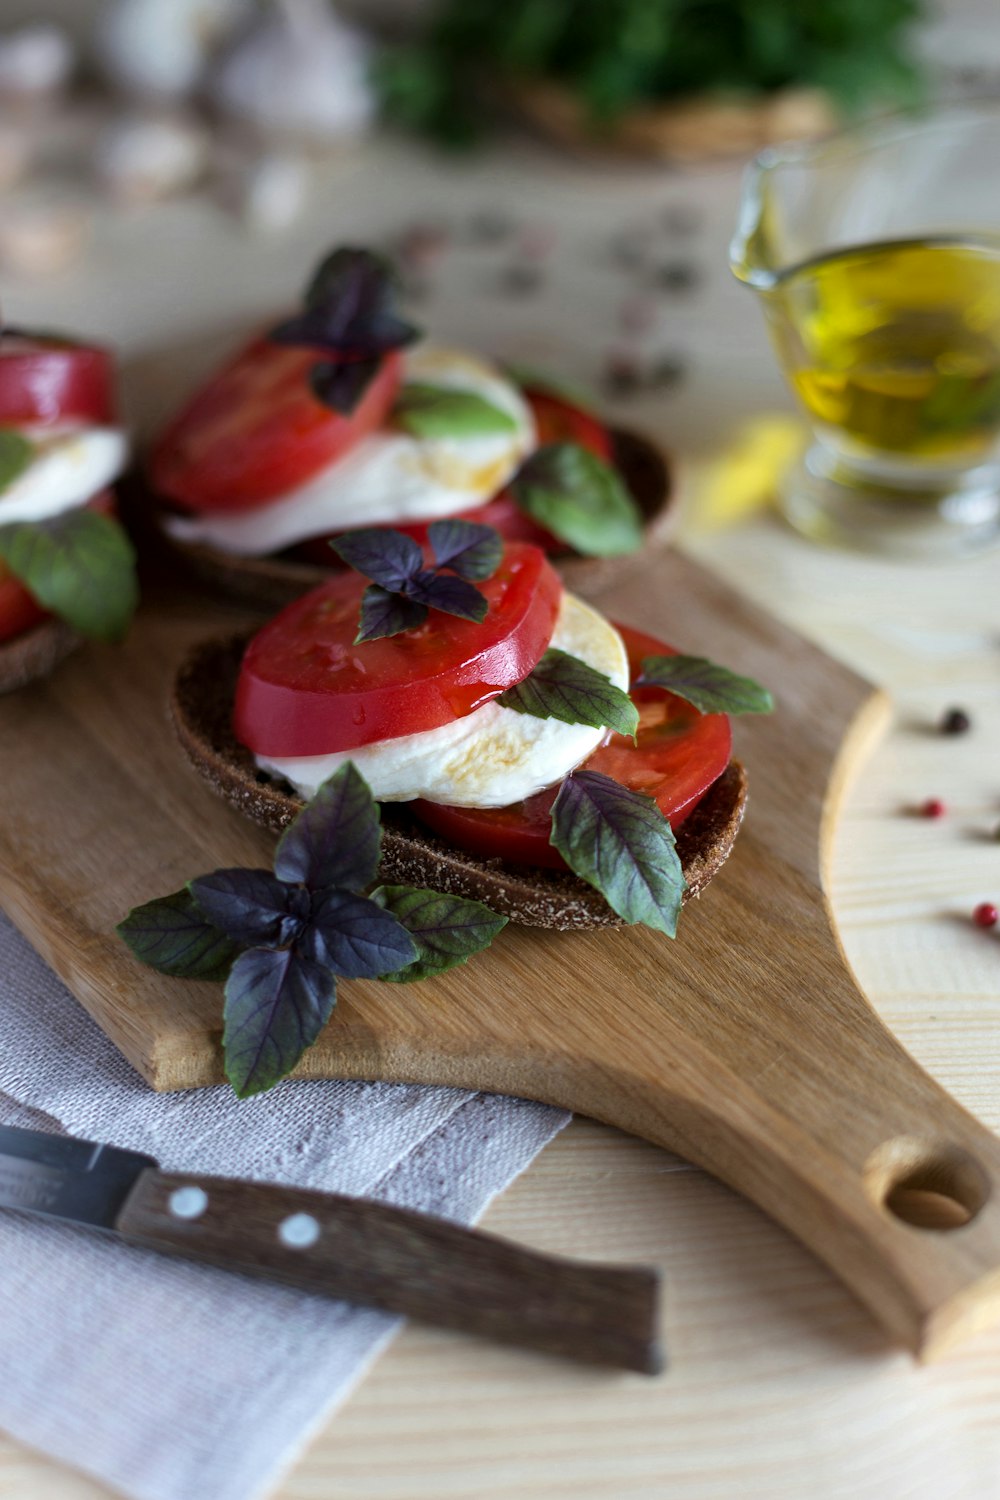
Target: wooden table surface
(780, 1386)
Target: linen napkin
(164, 1379)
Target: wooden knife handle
(403, 1262)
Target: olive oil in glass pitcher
(877, 258)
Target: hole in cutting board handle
(926, 1184)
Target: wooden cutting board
(744, 1046)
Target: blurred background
(556, 179)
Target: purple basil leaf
(336, 838)
(277, 1003)
(340, 384)
(355, 937)
(563, 687)
(620, 843)
(349, 308)
(469, 550)
(387, 557)
(451, 595)
(385, 614)
(171, 935)
(446, 929)
(712, 689)
(252, 907)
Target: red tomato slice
(47, 379)
(19, 610)
(560, 421)
(679, 754)
(306, 689)
(256, 430)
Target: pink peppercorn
(933, 808)
(986, 914)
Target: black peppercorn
(956, 721)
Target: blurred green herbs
(617, 54)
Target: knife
(350, 1248)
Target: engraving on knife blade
(26, 1184)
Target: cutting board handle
(850, 1145)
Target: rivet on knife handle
(403, 1262)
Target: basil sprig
(563, 687)
(79, 565)
(349, 315)
(16, 453)
(620, 843)
(403, 588)
(440, 411)
(710, 688)
(580, 499)
(280, 940)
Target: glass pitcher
(876, 255)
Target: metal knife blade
(66, 1178)
(351, 1248)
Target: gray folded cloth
(167, 1380)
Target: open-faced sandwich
(447, 740)
(66, 565)
(339, 418)
(526, 752)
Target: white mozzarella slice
(491, 757)
(389, 476)
(67, 469)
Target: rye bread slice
(272, 582)
(33, 654)
(201, 704)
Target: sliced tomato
(560, 421)
(19, 610)
(45, 379)
(305, 688)
(256, 430)
(678, 755)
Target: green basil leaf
(438, 411)
(620, 843)
(80, 565)
(277, 1003)
(173, 936)
(580, 499)
(712, 689)
(16, 453)
(446, 929)
(563, 687)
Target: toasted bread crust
(201, 708)
(33, 654)
(269, 583)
